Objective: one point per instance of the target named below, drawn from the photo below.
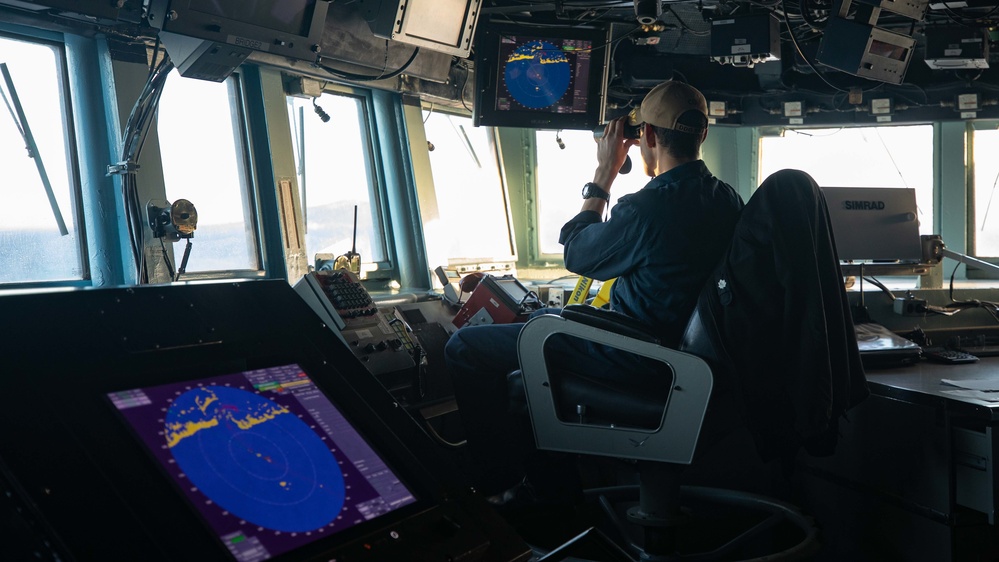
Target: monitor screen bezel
(487, 79)
(188, 20)
(320, 544)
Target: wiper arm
(463, 136)
(17, 113)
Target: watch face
(590, 190)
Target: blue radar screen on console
(265, 457)
(544, 74)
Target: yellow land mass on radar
(251, 420)
(531, 56)
(178, 431)
(519, 56)
(208, 400)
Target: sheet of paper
(976, 394)
(986, 385)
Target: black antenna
(353, 244)
(350, 260)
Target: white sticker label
(716, 109)
(792, 109)
(741, 49)
(884, 118)
(952, 52)
(967, 101)
(969, 114)
(796, 121)
(881, 106)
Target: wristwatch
(593, 190)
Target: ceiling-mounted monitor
(446, 26)
(99, 10)
(208, 39)
(540, 78)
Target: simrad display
(269, 462)
(551, 80)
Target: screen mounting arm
(17, 113)
(968, 260)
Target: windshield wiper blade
(17, 112)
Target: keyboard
(346, 293)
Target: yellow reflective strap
(581, 291)
(603, 295)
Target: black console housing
(79, 483)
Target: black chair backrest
(774, 322)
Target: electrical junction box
(745, 40)
(956, 47)
(914, 9)
(864, 50)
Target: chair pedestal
(659, 512)
(665, 526)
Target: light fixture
(647, 12)
(172, 221)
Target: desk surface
(920, 383)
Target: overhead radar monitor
(550, 81)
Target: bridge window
(200, 129)
(40, 232)
(474, 214)
(899, 156)
(336, 175)
(561, 175)
(986, 203)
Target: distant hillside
(43, 255)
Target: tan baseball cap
(665, 103)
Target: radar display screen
(541, 80)
(266, 458)
(543, 74)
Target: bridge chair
(779, 283)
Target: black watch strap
(593, 190)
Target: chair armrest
(674, 440)
(609, 320)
